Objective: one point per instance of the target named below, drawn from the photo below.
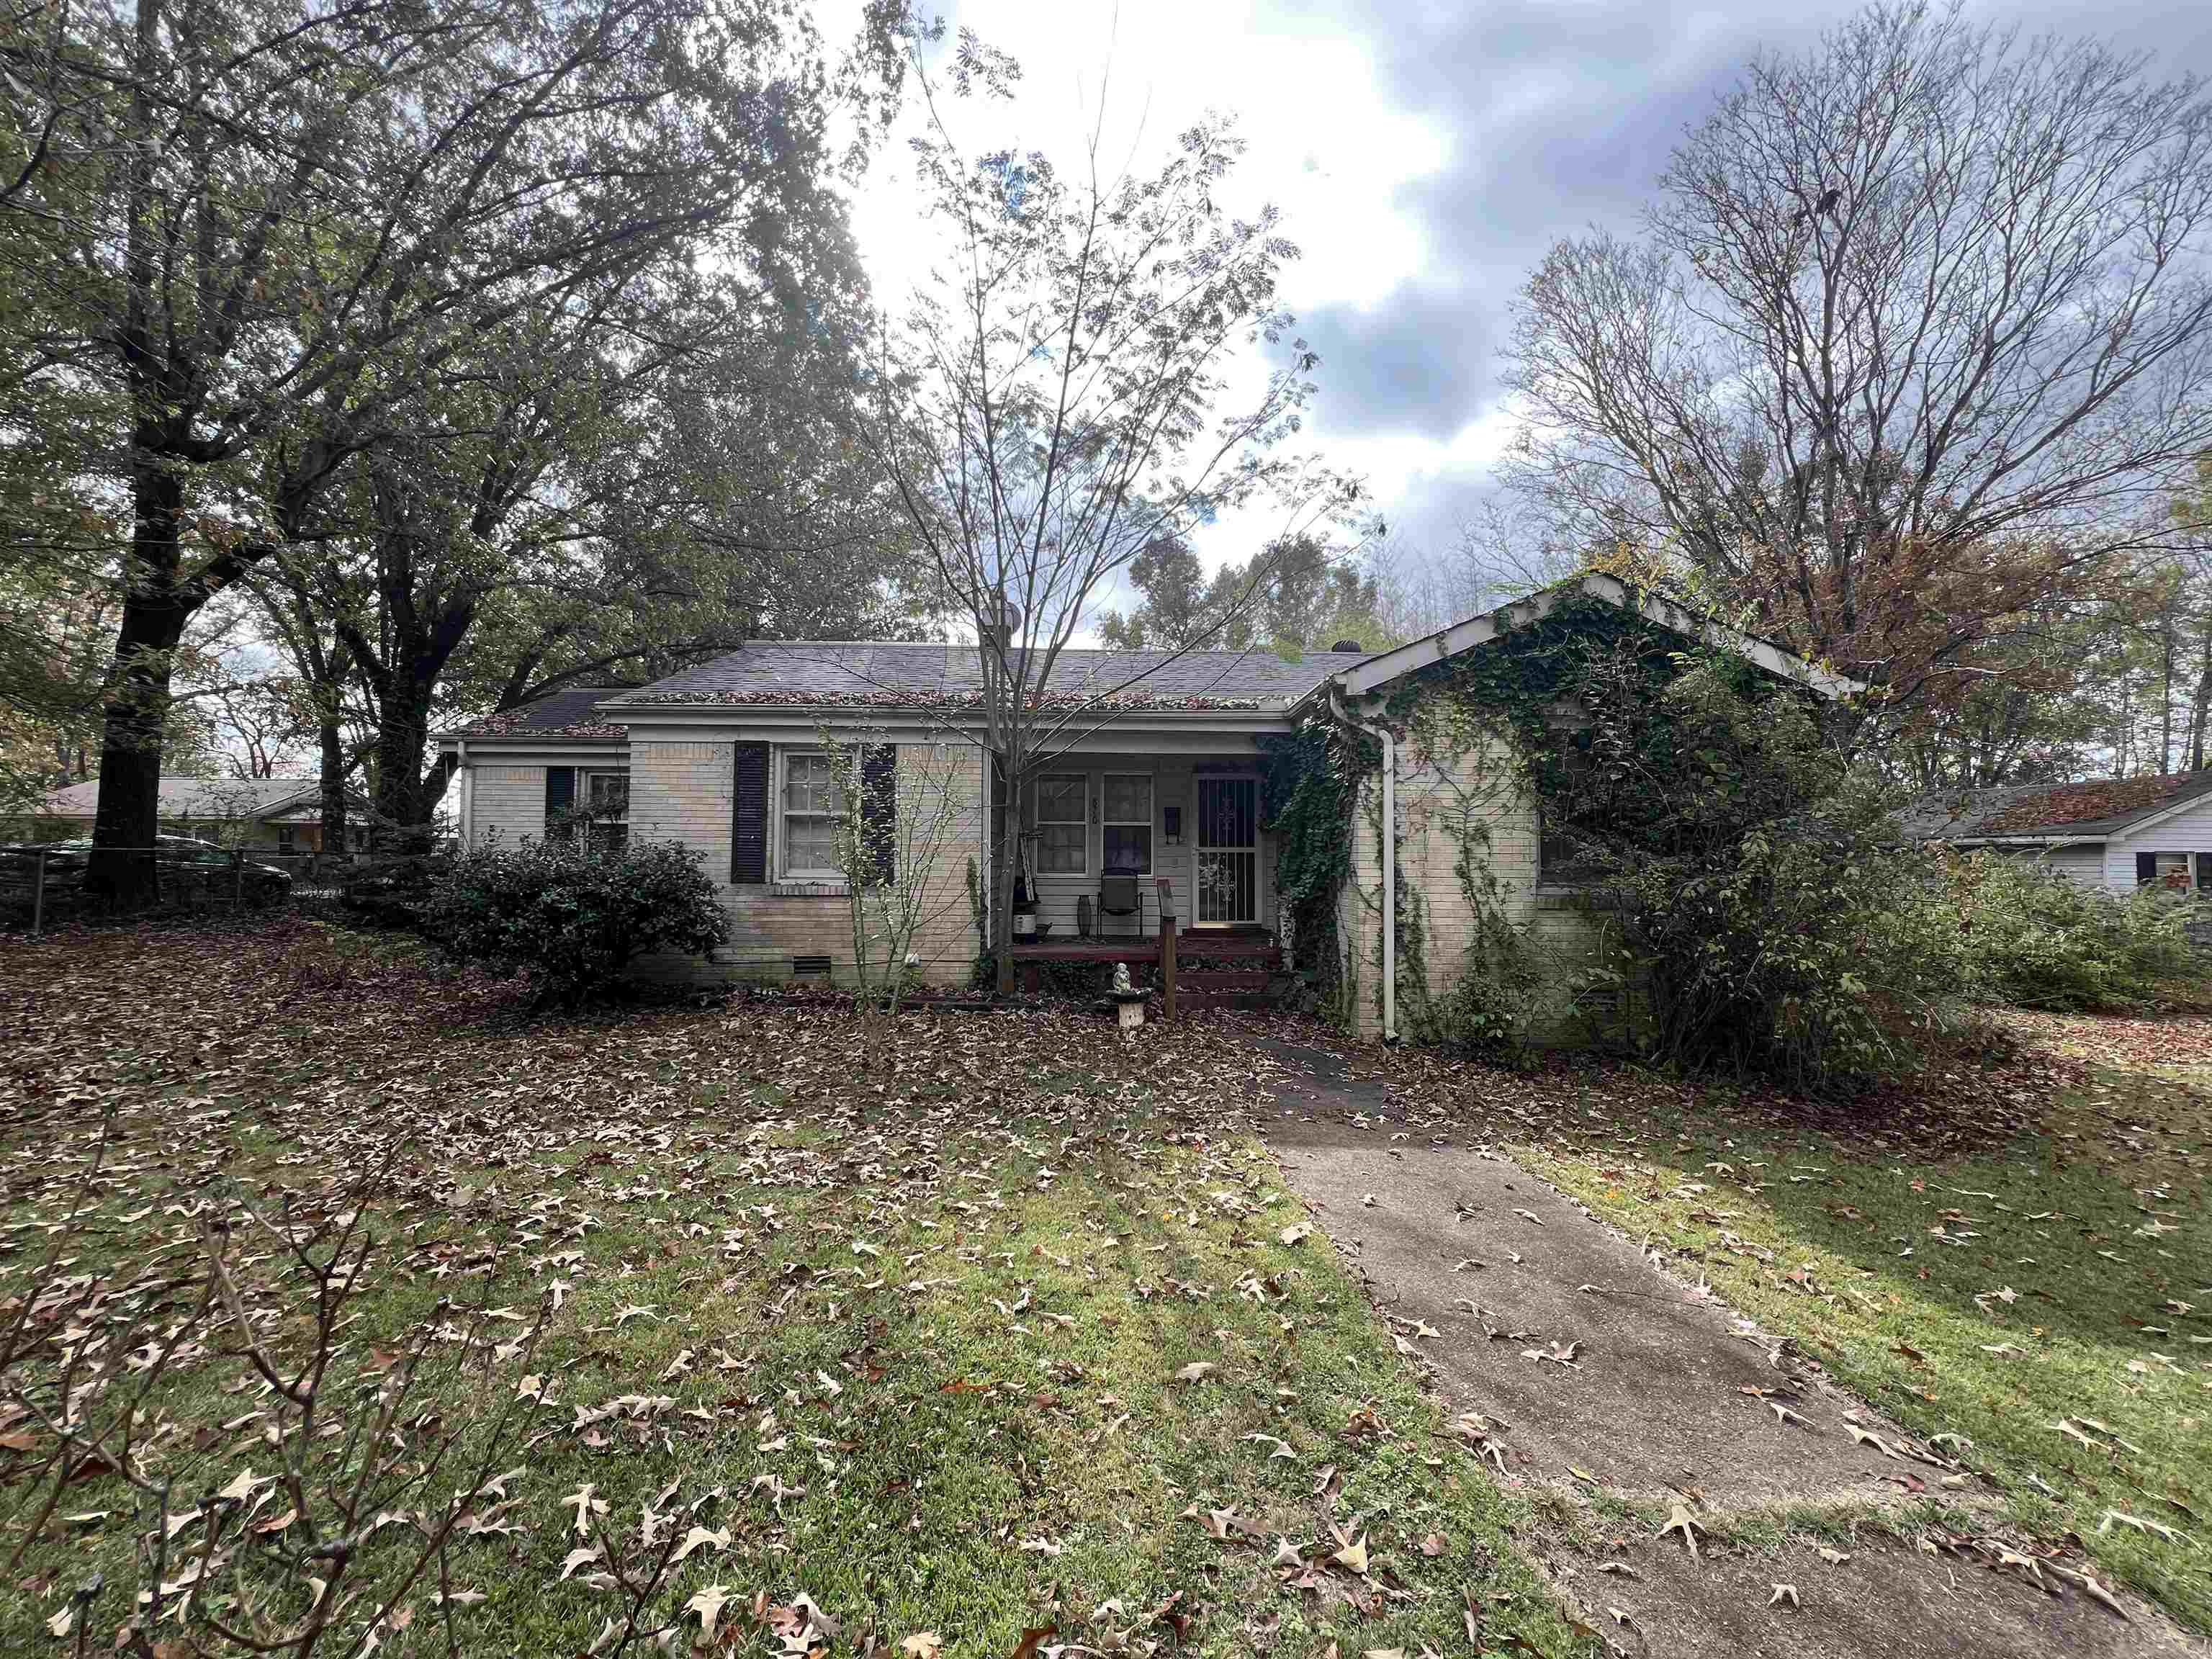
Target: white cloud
(1327, 145)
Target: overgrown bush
(571, 917)
(394, 894)
(1764, 909)
(2035, 939)
(1815, 947)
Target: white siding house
(2116, 833)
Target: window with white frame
(606, 797)
(1062, 816)
(1125, 836)
(806, 811)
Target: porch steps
(1227, 987)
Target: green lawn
(945, 1333)
(2019, 1257)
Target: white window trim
(583, 802)
(1037, 824)
(1150, 824)
(807, 875)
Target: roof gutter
(1249, 710)
(1388, 859)
(2019, 840)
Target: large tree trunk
(135, 704)
(331, 741)
(402, 805)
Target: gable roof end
(1379, 670)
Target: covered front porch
(1112, 842)
(1204, 965)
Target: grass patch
(909, 1330)
(2021, 1260)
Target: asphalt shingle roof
(2101, 806)
(557, 714)
(833, 674)
(194, 797)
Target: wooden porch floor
(1205, 942)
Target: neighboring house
(1158, 776)
(265, 815)
(2116, 833)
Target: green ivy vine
(1574, 708)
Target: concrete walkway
(1625, 1393)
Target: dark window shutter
(749, 815)
(560, 800)
(2204, 872)
(880, 811)
(2145, 869)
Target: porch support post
(1167, 956)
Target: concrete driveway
(1598, 1380)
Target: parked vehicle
(197, 861)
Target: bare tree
(1915, 335)
(1052, 403)
(898, 813)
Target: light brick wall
(1444, 804)
(680, 792)
(508, 804)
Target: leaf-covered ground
(2019, 1256)
(989, 1332)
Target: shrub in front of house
(1763, 908)
(1813, 947)
(391, 892)
(2037, 940)
(571, 917)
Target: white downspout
(1388, 858)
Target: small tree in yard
(572, 917)
(896, 816)
(1053, 404)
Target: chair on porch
(1120, 896)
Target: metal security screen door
(1228, 851)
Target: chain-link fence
(44, 887)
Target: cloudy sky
(1425, 153)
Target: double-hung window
(1125, 824)
(1063, 824)
(807, 809)
(606, 799)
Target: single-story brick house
(1156, 774)
(2114, 833)
(260, 815)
